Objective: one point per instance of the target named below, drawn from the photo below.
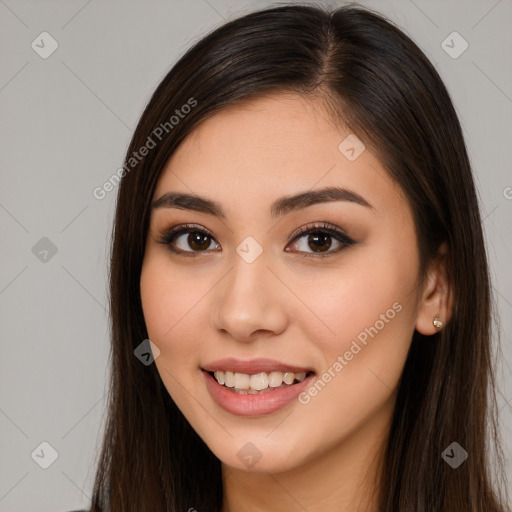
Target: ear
(437, 295)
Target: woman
(297, 232)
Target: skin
(305, 311)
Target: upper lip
(252, 366)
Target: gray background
(65, 124)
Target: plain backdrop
(66, 120)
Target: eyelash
(167, 238)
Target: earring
(437, 323)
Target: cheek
(156, 300)
(362, 361)
(164, 301)
(367, 314)
(170, 304)
(351, 303)
(166, 298)
(173, 304)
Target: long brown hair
(375, 80)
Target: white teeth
(229, 379)
(288, 377)
(300, 376)
(251, 384)
(259, 381)
(275, 379)
(242, 381)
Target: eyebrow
(280, 207)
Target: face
(323, 284)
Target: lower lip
(254, 405)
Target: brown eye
(198, 241)
(188, 239)
(319, 240)
(192, 240)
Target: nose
(250, 301)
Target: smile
(255, 402)
(263, 382)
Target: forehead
(273, 127)
(259, 149)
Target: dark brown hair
(375, 80)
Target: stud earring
(437, 323)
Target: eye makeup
(317, 233)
